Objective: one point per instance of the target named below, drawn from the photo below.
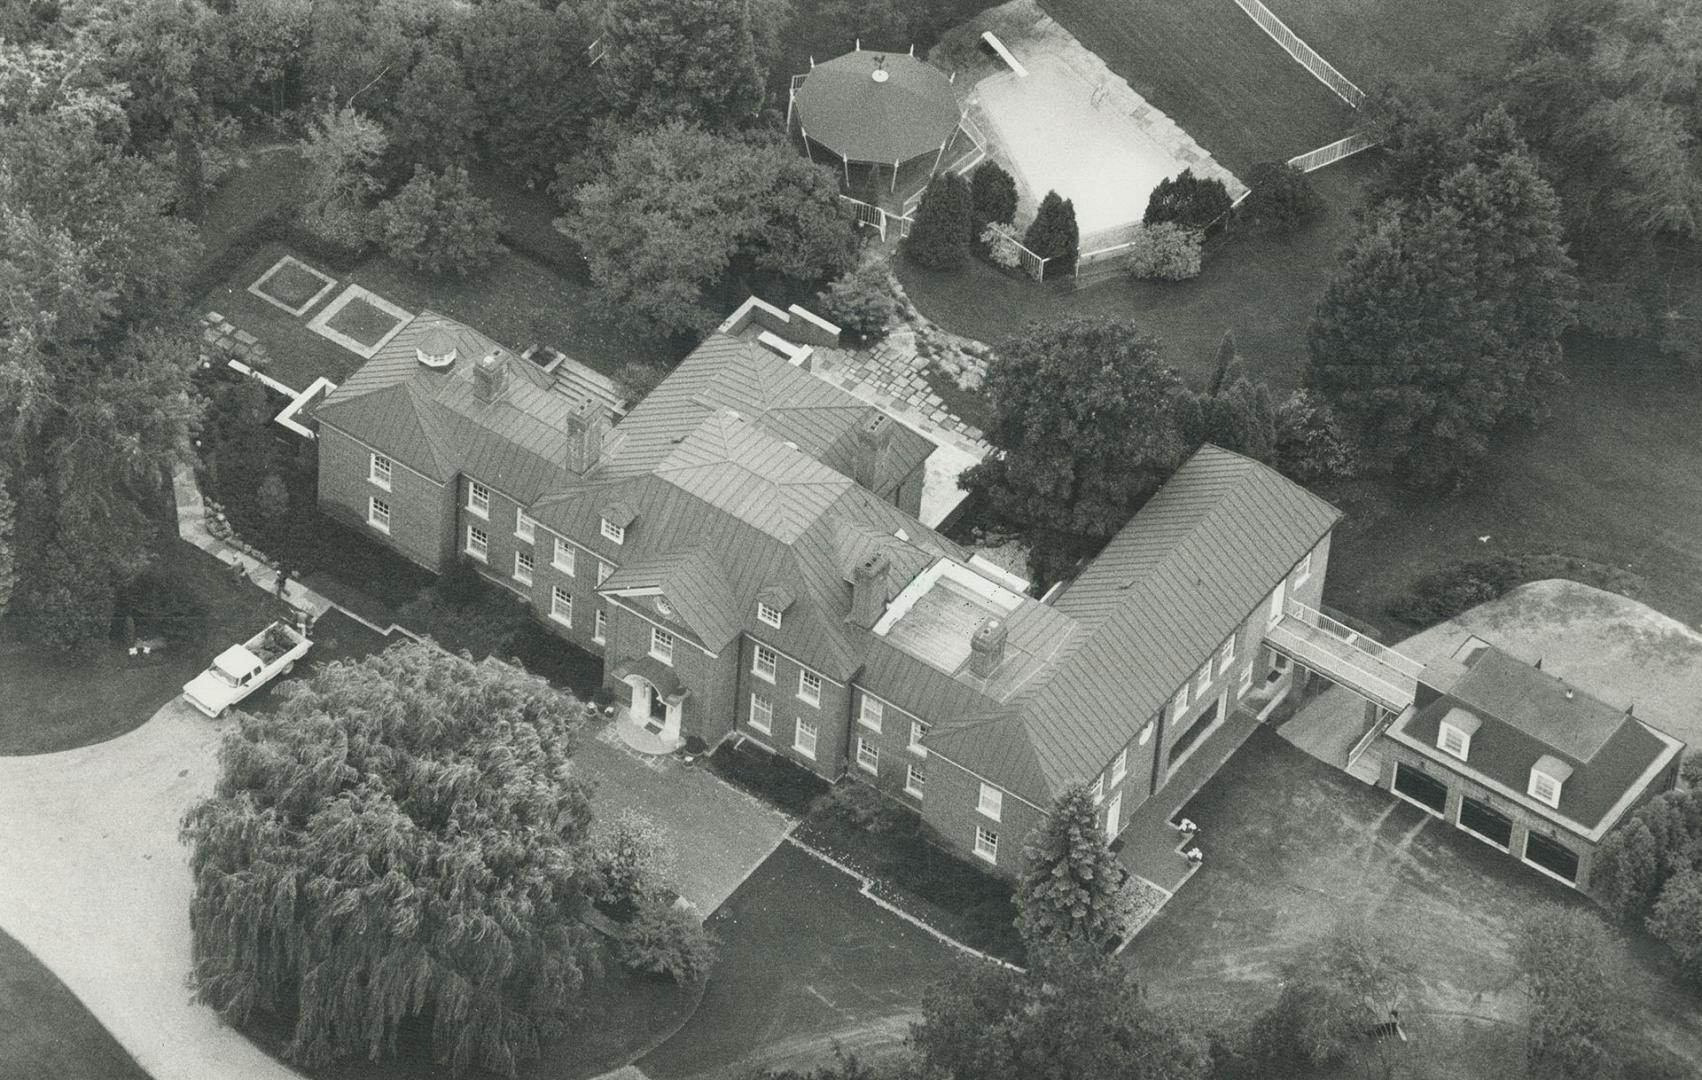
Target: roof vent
(436, 350)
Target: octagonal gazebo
(875, 108)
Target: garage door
(1489, 824)
(1555, 857)
(1421, 788)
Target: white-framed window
(870, 712)
(479, 499)
(603, 571)
(987, 844)
(915, 780)
(1202, 680)
(804, 738)
(1146, 733)
(917, 730)
(809, 687)
(992, 801)
(1454, 740)
(762, 714)
(662, 645)
(1119, 766)
(768, 614)
(1179, 704)
(1246, 679)
(614, 532)
(478, 543)
(1098, 789)
(379, 471)
(378, 513)
(600, 626)
(524, 526)
(868, 755)
(1544, 787)
(523, 567)
(562, 559)
(1226, 655)
(1304, 570)
(763, 661)
(561, 605)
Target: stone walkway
(891, 376)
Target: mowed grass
(1373, 41)
(365, 322)
(47, 1032)
(1209, 67)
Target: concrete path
(94, 882)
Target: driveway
(94, 882)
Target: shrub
(999, 242)
(861, 806)
(861, 302)
(1280, 198)
(1677, 919)
(666, 940)
(780, 781)
(1187, 200)
(628, 861)
(1443, 594)
(1053, 234)
(1311, 444)
(992, 194)
(939, 239)
(436, 224)
(274, 498)
(154, 605)
(1167, 251)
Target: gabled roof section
(694, 587)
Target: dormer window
(614, 532)
(771, 605)
(769, 615)
(1454, 733)
(1547, 776)
(616, 517)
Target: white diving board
(1005, 54)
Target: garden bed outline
(320, 324)
(257, 287)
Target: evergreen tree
(690, 60)
(993, 191)
(1071, 895)
(436, 114)
(1053, 235)
(1677, 919)
(939, 240)
(1226, 358)
(1279, 199)
(436, 224)
(8, 523)
(1188, 200)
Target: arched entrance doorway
(655, 708)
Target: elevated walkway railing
(1345, 656)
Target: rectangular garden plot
(360, 320)
(292, 285)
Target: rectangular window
(809, 687)
(804, 738)
(378, 514)
(478, 543)
(992, 802)
(868, 756)
(762, 714)
(523, 567)
(600, 626)
(915, 781)
(603, 571)
(1226, 655)
(1304, 570)
(762, 664)
(1246, 679)
(1120, 766)
(563, 558)
(614, 532)
(917, 731)
(1202, 680)
(662, 645)
(769, 615)
(561, 605)
(1179, 705)
(379, 472)
(523, 525)
(1544, 787)
(1453, 740)
(479, 499)
(870, 713)
(987, 844)
(1098, 789)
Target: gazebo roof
(877, 106)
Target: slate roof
(1185, 573)
(1524, 716)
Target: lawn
(47, 1032)
(1291, 844)
(56, 700)
(292, 285)
(1209, 67)
(806, 961)
(298, 355)
(1261, 287)
(1372, 41)
(365, 322)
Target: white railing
(1384, 719)
(1321, 69)
(877, 218)
(1312, 617)
(1329, 155)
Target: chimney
(868, 589)
(873, 436)
(490, 375)
(585, 424)
(987, 647)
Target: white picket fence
(876, 218)
(1321, 69)
(1329, 155)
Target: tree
(681, 60)
(1657, 841)
(1168, 251)
(1086, 425)
(1309, 443)
(628, 861)
(341, 148)
(1241, 416)
(939, 240)
(878, 24)
(1071, 894)
(667, 940)
(637, 378)
(680, 214)
(1677, 918)
(8, 524)
(1188, 200)
(861, 302)
(1576, 1022)
(993, 192)
(1279, 198)
(1332, 995)
(396, 841)
(436, 114)
(1053, 234)
(436, 224)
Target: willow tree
(397, 844)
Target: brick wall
(950, 812)
(422, 511)
(707, 711)
(830, 716)
(892, 744)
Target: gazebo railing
(877, 218)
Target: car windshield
(224, 676)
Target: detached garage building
(1521, 760)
